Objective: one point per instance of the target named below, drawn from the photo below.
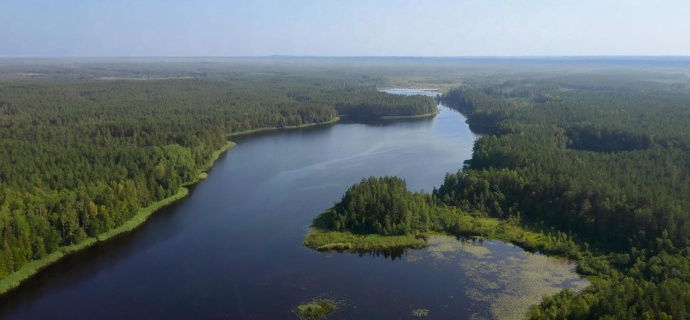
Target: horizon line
(345, 56)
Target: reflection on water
(392, 253)
(377, 122)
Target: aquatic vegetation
(441, 247)
(420, 312)
(477, 316)
(516, 282)
(316, 309)
(476, 250)
(413, 257)
(347, 241)
(508, 281)
(380, 213)
(601, 161)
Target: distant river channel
(233, 248)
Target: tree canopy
(602, 157)
(82, 151)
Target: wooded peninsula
(593, 166)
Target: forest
(83, 149)
(591, 165)
(593, 156)
(384, 206)
(604, 158)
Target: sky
(448, 28)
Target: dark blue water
(233, 248)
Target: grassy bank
(16, 278)
(557, 244)
(419, 116)
(216, 154)
(531, 239)
(306, 125)
(324, 240)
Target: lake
(233, 248)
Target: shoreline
(15, 279)
(419, 116)
(265, 129)
(323, 240)
(30, 269)
(328, 241)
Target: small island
(317, 308)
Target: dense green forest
(82, 149)
(384, 206)
(592, 154)
(603, 157)
(592, 165)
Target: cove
(233, 248)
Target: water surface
(233, 248)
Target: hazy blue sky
(344, 28)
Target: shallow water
(233, 248)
